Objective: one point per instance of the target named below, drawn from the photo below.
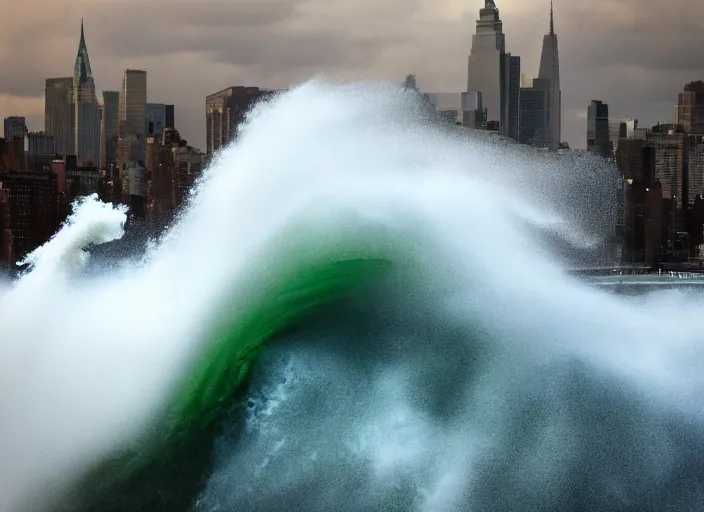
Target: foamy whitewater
(477, 376)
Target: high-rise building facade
(695, 167)
(40, 151)
(170, 117)
(33, 201)
(12, 155)
(534, 115)
(636, 161)
(617, 130)
(59, 114)
(40, 143)
(225, 110)
(631, 127)
(550, 72)
(689, 111)
(486, 69)
(159, 117)
(671, 156)
(100, 164)
(14, 127)
(473, 111)
(598, 140)
(132, 121)
(513, 85)
(86, 109)
(108, 129)
(6, 257)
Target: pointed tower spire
(549, 71)
(82, 67)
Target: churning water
(471, 374)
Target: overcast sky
(636, 55)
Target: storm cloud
(636, 55)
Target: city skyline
(634, 57)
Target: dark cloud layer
(634, 54)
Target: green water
(166, 468)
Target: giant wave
(358, 310)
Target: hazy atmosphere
(249, 261)
(633, 54)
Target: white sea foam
(498, 382)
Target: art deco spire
(82, 68)
(549, 72)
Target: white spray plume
(83, 363)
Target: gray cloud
(634, 54)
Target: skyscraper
(132, 121)
(689, 111)
(170, 117)
(550, 72)
(59, 114)
(159, 117)
(14, 126)
(225, 110)
(513, 91)
(695, 166)
(669, 143)
(487, 69)
(598, 140)
(534, 115)
(85, 104)
(618, 130)
(108, 125)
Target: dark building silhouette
(225, 110)
(598, 140)
(513, 83)
(666, 161)
(137, 180)
(174, 167)
(644, 219)
(40, 151)
(654, 229)
(695, 221)
(695, 166)
(159, 117)
(109, 130)
(689, 111)
(669, 142)
(80, 181)
(170, 117)
(14, 127)
(534, 115)
(6, 257)
(636, 160)
(33, 199)
(12, 155)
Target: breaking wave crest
(359, 310)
